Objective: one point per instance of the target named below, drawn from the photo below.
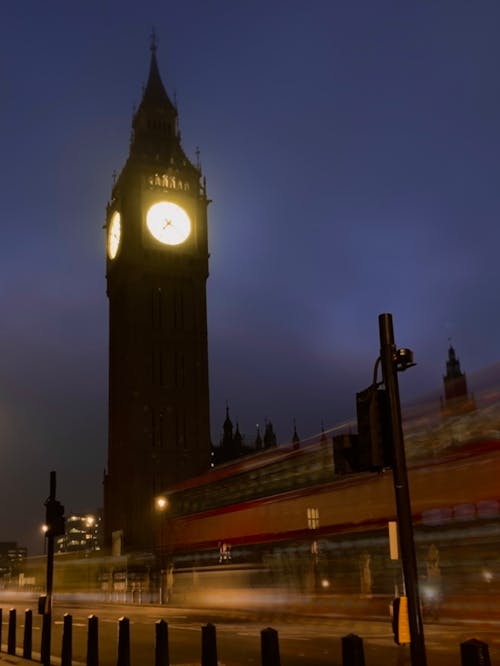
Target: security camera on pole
(381, 445)
(395, 360)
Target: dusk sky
(351, 151)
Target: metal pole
(47, 616)
(208, 645)
(50, 550)
(45, 646)
(123, 642)
(67, 640)
(269, 647)
(161, 644)
(93, 641)
(28, 634)
(352, 651)
(11, 637)
(401, 491)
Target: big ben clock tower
(156, 270)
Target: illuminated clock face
(114, 235)
(168, 223)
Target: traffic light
(374, 445)
(54, 518)
(345, 448)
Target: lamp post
(161, 506)
(392, 361)
(54, 519)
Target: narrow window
(313, 518)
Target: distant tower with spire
(232, 443)
(456, 400)
(270, 439)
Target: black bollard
(28, 633)
(92, 642)
(11, 637)
(474, 653)
(269, 647)
(352, 651)
(161, 644)
(45, 647)
(123, 642)
(208, 645)
(67, 640)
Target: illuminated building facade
(12, 557)
(157, 267)
(82, 534)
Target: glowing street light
(161, 503)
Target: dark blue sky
(351, 150)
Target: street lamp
(161, 503)
(164, 590)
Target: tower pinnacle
(152, 40)
(456, 396)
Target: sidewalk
(14, 660)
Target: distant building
(83, 534)
(232, 444)
(456, 400)
(11, 558)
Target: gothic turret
(270, 440)
(258, 441)
(295, 437)
(227, 430)
(456, 398)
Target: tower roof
(227, 428)
(295, 437)
(155, 136)
(453, 364)
(154, 92)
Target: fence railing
(473, 652)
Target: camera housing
(403, 359)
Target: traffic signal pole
(47, 609)
(389, 362)
(50, 548)
(54, 523)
